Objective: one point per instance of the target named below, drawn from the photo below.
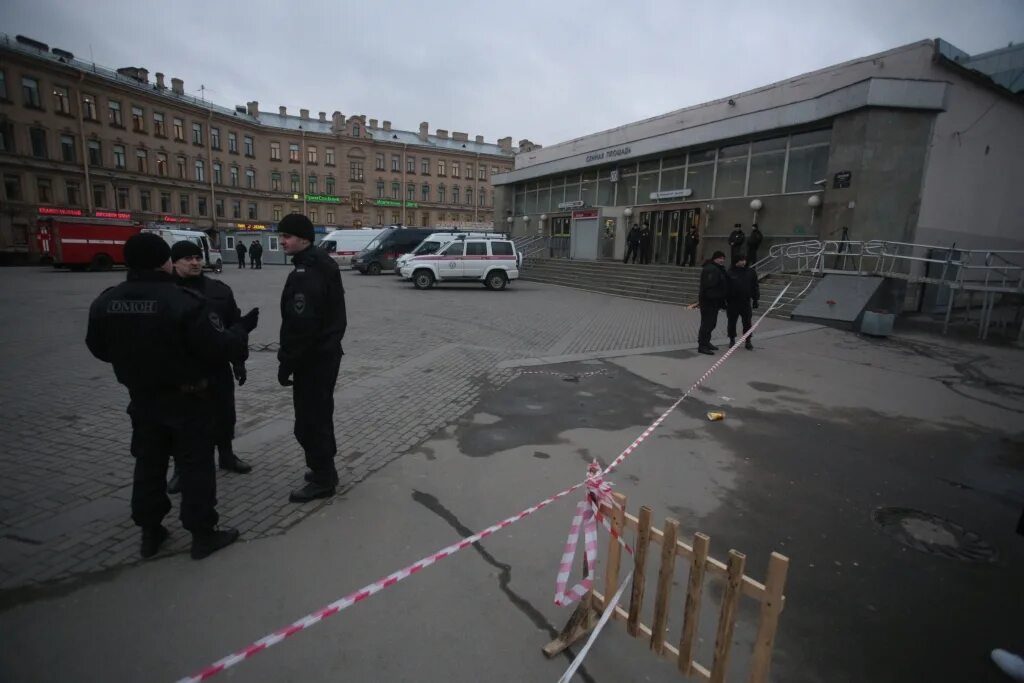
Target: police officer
(690, 243)
(161, 339)
(753, 244)
(736, 239)
(632, 243)
(743, 289)
(312, 325)
(645, 244)
(187, 258)
(714, 290)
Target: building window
(380, 217)
(312, 216)
(357, 202)
(38, 138)
(396, 189)
(272, 243)
(99, 196)
(355, 130)
(396, 163)
(252, 211)
(293, 152)
(482, 172)
(329, 185)
(330, 217)
(114, 114)
(165, 202)
(441, 167)
(410, 192)
(161, 163)
(73, 193)
(120, 161)
(355, 171)
(197, 133)
(144, 200)
(311, 184)
(88, 107)
(380, 162)
(158, 125)
(767, 163)
(138, 120)
(3, 85)
(236, 208)
(426, 219)
(218, 208)
(184, 204)
(179, 130)
(469, 196)
(200, 167)
(30, 92)
(310, 154)
(808, 160)
(215, 138)
(95, 153)
(44, 190)
(455, 195)
(329, 156)
(396, 218)
(426, 192)
(7, 137)
(181, 161)
(455, 169)
(731, 174)
(233, 176)
(275, 182)
(123, 199)
(250, 179)
(12, 187)
(441, 194)
(67, 148)
(233, 143)
(295, 183)
(482, 199)
(425, 167)
(142, 161)
(61, 101)
(277, 213)
(469, 171)
(380, 189)
(494, 170)
(410, 164)
(201, 205)
(275, 151)
(247, 142)
(218, 176)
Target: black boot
(152, 538)
(174, 485)
(750, 344)
(205, 543)
(707, 350)
(233, 463)
(312, 491)
(732, 342)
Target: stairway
(664, 284)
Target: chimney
(143, 75)
(283, 111)
(337, 122)
(178, 86)
(303, 113)
(442, 133)
(505, 144)
(387, 125)
(323, 116)
(159, 80)
(423, 130)
(479, 139)
(253, 109)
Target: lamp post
(526, 224)
(756, 205)
(540, 225)
(510, 220)
(814, 201)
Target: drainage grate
(934, 535)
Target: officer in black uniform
(690, 243)
(187, 258)
(714, 290)
(743, 289)
(312, 325)
(736, 239)
(161, 338)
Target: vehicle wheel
(101, 262)
(219, 267)
(496, 279)
(423, 279)
(374, 269)
(487, 284)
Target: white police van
(492, 260)
(431, 244)
(211, 253)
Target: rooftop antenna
(202, 92)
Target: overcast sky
(547, 70)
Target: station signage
(671, 194)
(58, 211)
(582, 215)
(609, 154)
(319, 198)
(395, 202)
(249, 227)
(571, 205)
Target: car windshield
(428, 248)
(374, 243)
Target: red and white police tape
(402, 574)
(586, 517)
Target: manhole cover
(932, 534)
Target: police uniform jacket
(313, 316)
(743, 285)
(714, 283)
(736, 238)
(221, 301)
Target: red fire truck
(80, 242)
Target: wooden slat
(665, 572)
(636, 597)
(611, 575)
(694, 593)
(771, 608)
(727, 617)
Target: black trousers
(645, 253)
(241, 260)
(259, 260)
(631, 251)
(689, 256)
(313, 398)
(738, 309)
(179, 427)
(751, 256)
(252, 260)
(708, 321)
(222, 394)
(735, 252)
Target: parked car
(343, 245)
(383, 251)
(432, 243)
(493, 261)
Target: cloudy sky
(547, 70)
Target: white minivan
(211, 254)
(342, 245)
(432, 243)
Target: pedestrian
(188, 268)
(645, 244)
(633, 242)
(313, 324)
(753, 243)
(252, 253)
(240, 250)
(744, 294)
(690, 242)
(736, 238)
(161, 339)
(714, 290)
(259, 253)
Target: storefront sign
(571, 205)
(249, 227)
(841, 180)
(395, 202)
(613, 153)
(119, 215)
(321, 198)
(671, 194)
(580, 215)
(172, 219)
(58, 211)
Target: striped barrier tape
(597, 492)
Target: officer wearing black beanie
(161, 338)
(313, 323)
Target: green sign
(395, 202)
(323, 198)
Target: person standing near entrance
(753, 243)
(632, 243)
(645, 244)
(690, 242)
(744, 294)
(258, 246)
(313, 324)
(736, 239)
(714, 291)
(240, 250)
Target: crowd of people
(255, 252)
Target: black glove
(240, 374)
(283, 376)
(755, 306)
(250, 320)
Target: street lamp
(540, 225)
(756, 205)
(814, 201)
(510, 220)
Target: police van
(343, 245)
(491, 260)
(432, 243)
(211, 253)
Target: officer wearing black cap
(312, 325)
(161, 339)
(713, 293)
(187, 259)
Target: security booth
(265, 234)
